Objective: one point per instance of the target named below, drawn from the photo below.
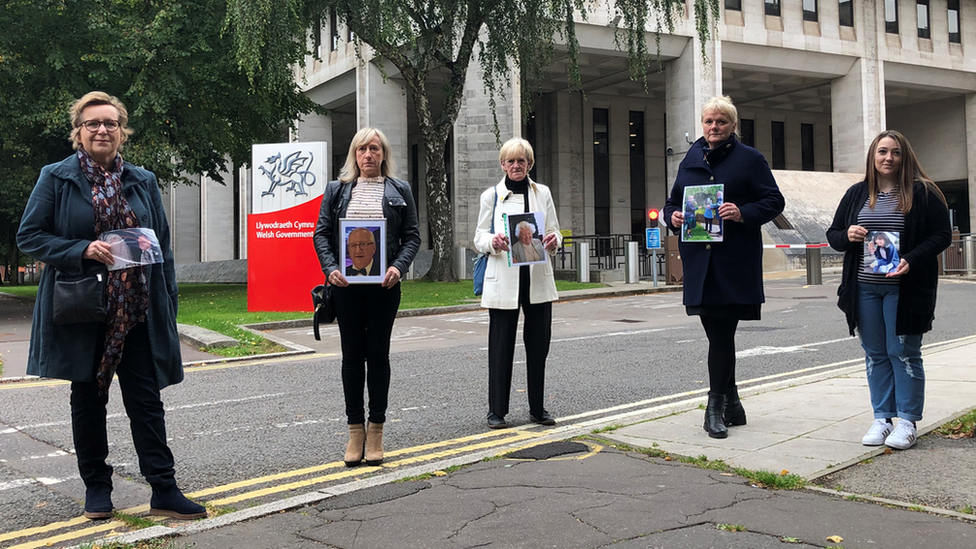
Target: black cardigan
(927, 232)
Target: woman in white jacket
(531, 288)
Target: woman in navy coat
(73, 203)
(723, 280)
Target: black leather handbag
(79, 297)
(324, 307)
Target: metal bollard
(814, 270)
(969, 254)
(582, 261)
(632, 275)
(462, 263)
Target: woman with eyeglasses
(366, 190)
(76, 201)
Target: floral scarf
(127, 289)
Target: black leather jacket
(399, 209)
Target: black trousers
(721, 351)
(536, 333)
(365, 313)
(140, 396)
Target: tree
(421, 37)
(189, 102)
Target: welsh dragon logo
(291, 173)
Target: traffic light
(653, 216)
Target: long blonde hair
(350, 170)
(909, 172)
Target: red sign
(282, 266)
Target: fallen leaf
(784, 472)
(887, 451)
(667, 458)
(40, 505)
(439, 474)
(835, 539)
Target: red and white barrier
(796, 245)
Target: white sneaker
(878, 433)
(903, 437)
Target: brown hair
(909, 172)
(93, 99)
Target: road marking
(479, 441)
(765, 350)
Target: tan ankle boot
(374, 444)
(354, 450)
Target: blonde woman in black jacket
(365, 312)
(892, 310)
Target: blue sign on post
(654, 238)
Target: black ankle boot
(98, 501)
(714, 423)
(735, 414)
(170, 502)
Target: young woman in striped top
(891, 310)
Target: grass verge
(783, 480)
(223, 307)
(960, 428)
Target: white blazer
(501, 289)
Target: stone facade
(813, 93)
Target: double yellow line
(410, 456)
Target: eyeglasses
(93, 125)
(361, 245)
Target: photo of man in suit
(361, 250)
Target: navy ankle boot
(170, 502)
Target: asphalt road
(241, 421)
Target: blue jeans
(894, 363)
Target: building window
(638, 182)
(334, 30)
(747, 127)
(806, 147)
(772, 7)
(955, 36)
(779, 145)
(601, 170)
(891, 16)
(317, 36)
(923, 19)
(847, 13)
(810, 10)
(733, 5)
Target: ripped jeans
(895, 375)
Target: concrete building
(814, 82)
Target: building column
(383, 105)
(568, 138)
(475, 148)
(971, 158)
(857, 110)
(857, 100)
(691, 81)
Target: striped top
(366, 201)
(884, 217)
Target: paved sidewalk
(585, 495)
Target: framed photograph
(133, 247)
(363, 253)
(881, 252)
(525, 232)
(700, 207)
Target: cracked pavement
(585, 500)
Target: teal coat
(57, 226)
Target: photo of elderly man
(361, 246)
